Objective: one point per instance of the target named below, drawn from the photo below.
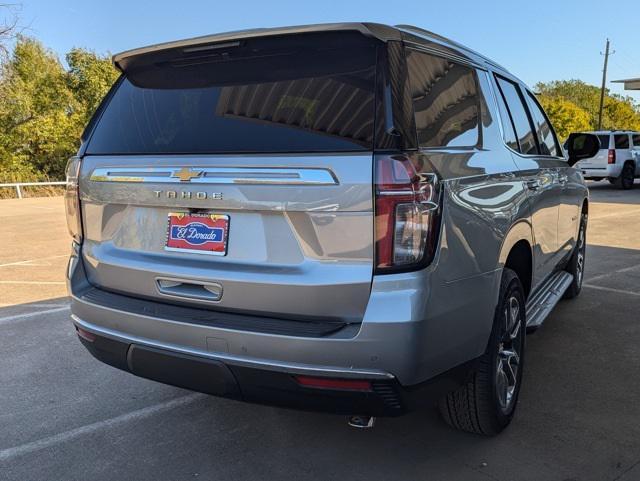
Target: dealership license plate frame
(203, 218)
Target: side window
(546, 135)
(507, 125)
(636, 140)
(445, 101)
(621, 141)
(604, 141)
(519, 116)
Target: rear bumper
(384, 397)
(377, 350)
(611, 170)
(152, 339)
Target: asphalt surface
(65, 416)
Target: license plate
(198, 233)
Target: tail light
(407, 214)
(72, 199)
(612, 156)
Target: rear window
(305, 93)
(604, 141)
(636, 140)
(622, 141)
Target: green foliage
(619, 112)
(565, 116)
(90, 78)
(43, 108)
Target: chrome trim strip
(268, 365)
(216, 175)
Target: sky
(539, 40)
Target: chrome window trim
(500, 126)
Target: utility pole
(604, 81)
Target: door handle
(189, 289)
(533, 184)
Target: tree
(619, 112)
(43, 108)
(90, 78)
(565, 116)
(37, 112)
(8, 25)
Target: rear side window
(621, 141)
(604, 141)
(519, 116)
(507, 125)
(304, 93)
(445, 101)
(636, 140)
(546, 135)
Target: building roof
(630, 83)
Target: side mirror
(581, 146)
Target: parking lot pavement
(34, 250)
(65, 416)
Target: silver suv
(352, 218)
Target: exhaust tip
(361, 422)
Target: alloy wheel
(580, 253)
(509, 350)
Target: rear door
(623, 148)
(238, 178)
(635, 152)
(570, 182)
(539, 172)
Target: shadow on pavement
(577, 416)
(604, 192)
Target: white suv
(618, 160)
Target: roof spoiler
(123, 60)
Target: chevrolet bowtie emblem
(185, 174)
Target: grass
(32, 191)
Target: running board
(543, 302)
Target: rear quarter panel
(485, 211)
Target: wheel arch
(585, 206)
(517, 253)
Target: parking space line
(619, 271)
(10, 453)
(54, 283)
(8, 319)
(611, 289)
(39, 304)
(46, 305)
(28, 261)
(610, 214)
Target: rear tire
(577, 261)
(627, 177)
(486, 403)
